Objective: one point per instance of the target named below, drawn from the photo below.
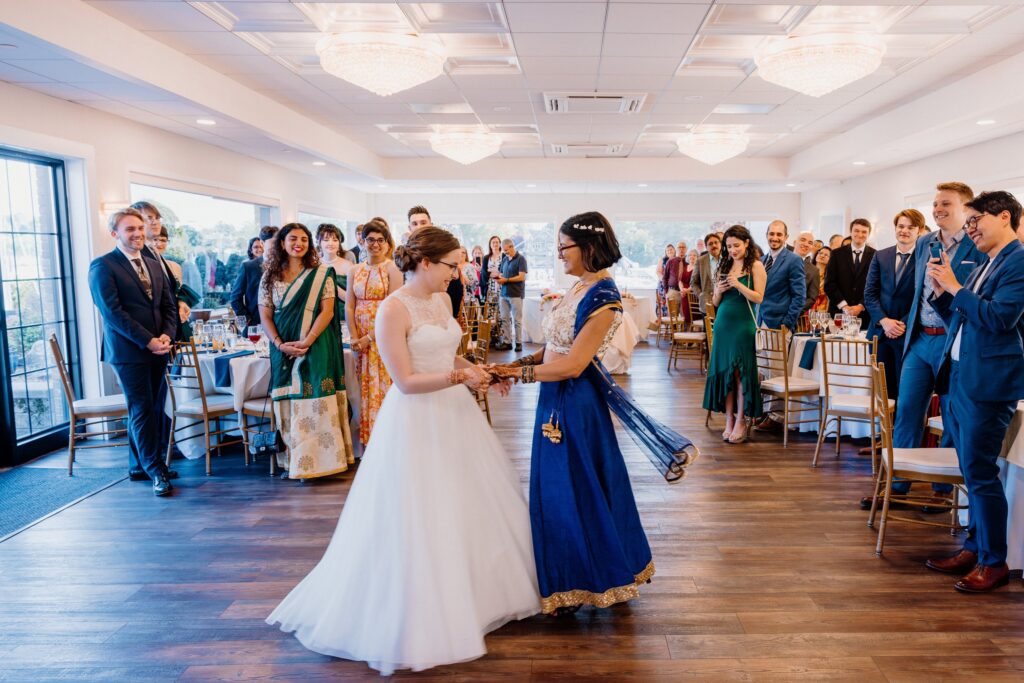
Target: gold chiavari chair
(804, 323)
(696, 315)
(84, 413)
(934, 465)
(669, 324)
(787, 394)
(709, 331)
(848, 378)
(184, 381)
(689, 343)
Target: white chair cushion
(100, 404)
(688, 336)
(698, 324)
(854, 404)
(941, 461)
(795, 384)
(935, 422)
(262, 406)
(214, 403)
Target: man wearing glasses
(983, 365)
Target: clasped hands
(480, 378)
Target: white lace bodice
(560, 323)
(434, 336)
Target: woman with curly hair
(370, 283)
(307, 382)
(732, 386)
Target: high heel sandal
(743, 435)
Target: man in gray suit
(703, 282)
(803, 248)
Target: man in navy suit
(785, 293)
(785, 289)
(983, 358)
(245, 293)
(889, 294)
(140, 319)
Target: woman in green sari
(307, 384)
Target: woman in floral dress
(369, 284)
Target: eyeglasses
(563, 247)
(972, 222)
(375, 240)
(453, 266)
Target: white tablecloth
(796, 352)
(250, 378)
(620, 352)
(1012, 474)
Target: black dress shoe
(138, 475)
(171, 474)
(162, 487)
(519, 347)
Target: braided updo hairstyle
(426, 243)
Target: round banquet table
(857, 430)
(249, 379)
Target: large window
(313, 221)
(34, 261)
(643, 245)
(208, 236)
(535, 240)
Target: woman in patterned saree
(307, 381)
(370, 283)
(589, 545)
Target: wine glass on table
(240, 321)
(254, 333)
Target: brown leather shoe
(768, 425)
(982, 579)
(961, 563)
(865, 504)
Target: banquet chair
(696, 315)
(689, 343)
(668, 324)
(87, 412)
(804, 323)
(190, 401)
(934, 465)
(262, 409)
(709, 332)
(848, 382)
(481, 350)
(787, 394)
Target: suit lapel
(123, 261)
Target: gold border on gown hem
(605, 599)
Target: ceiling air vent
(593, 103)
(586, 150)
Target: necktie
(901, 266)
(856, 260)
(144, 276)
(768, 263)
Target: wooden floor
(766, 572)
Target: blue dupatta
(670, 452)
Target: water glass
(240, 321)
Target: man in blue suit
(785, 289)
(926, 329)
(245, 293)
(889, 294)
(140, 318)
(983, 359)
(785, 292)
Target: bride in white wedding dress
(433, 549)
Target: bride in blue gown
(589, 545)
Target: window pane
(49, 256)
(53, 306)
(208, 237)
(5, 201)
(35, 348)
(19, 178)
(536, 241)
(31, 305)
(16, 351)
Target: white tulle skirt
(433, 548)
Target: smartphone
(935, 251)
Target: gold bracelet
(456, 377)
(528, 374)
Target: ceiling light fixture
(790, 184)
(860, 163)
(206, 122)
(319, 163)
(986, 122)
(642, 185)
(817, 64)
(713, 146)
(465, 147)
(383, 63)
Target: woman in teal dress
(732, 386)
(588, 542)
(328, 241)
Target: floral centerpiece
(547, 295)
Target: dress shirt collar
(776, 252)
(954, 241)
(128, 256)
(908, 251)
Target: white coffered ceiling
(691, 59)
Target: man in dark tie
(984, 362)
(245, 292)
(785, 289)
(847, 273)
(804, 248)
(139, 320)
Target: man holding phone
(926, 329)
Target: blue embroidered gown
(589, 545)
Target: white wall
(993, 165)
(104, 152)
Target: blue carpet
(28, 494)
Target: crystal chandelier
(383, 63)
(817, 64)
(465, 147)
(713, 146)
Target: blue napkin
(807, 358)
(222, 367)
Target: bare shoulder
(758, 268)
